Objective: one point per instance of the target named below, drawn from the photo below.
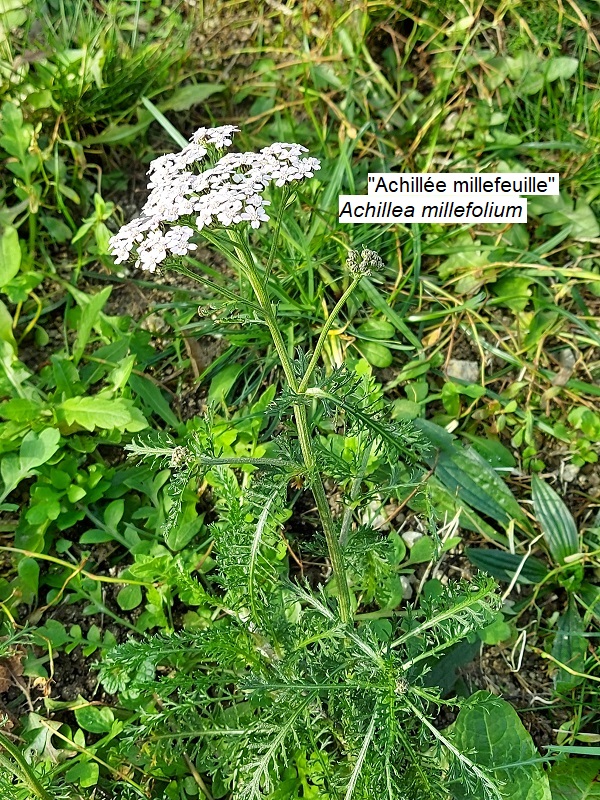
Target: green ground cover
(275, 522)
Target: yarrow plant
(289, 668)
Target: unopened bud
(364, 262)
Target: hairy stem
(325, 330)
(304, 437)
(22, 771)
(318, 490)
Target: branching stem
(304, 436)
(22, 770)
(325, 330)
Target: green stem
(32, 236)
(304, 437)
(318, 490)
(278, 221)
(243, 460)
(323, 336)
(213, 286)
(22, 771)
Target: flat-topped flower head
(228, 192)
(219, 137)
(364, 262)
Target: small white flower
(219, 137)
(228, 193)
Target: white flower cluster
(229, 193)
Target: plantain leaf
(489, 728)
(191, 95)
(465, 473)
(503, 565)
(556, 521)
(570, 648)
(447, 505)
(153, 398)
(575, 779)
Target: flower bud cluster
(228, 193)
(364, 262)
(180, 457)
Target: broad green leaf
(111, 353)
(113, 513)
(95, 536)
(559, 210)
(590, 595)
(117, 134)
(498, 631)
(422, 550)
(494, 452)
(223, 382)
(36, 449)
(489, 730)
(6, 328)
(20, 410)
(29, 574)
(41, 99)
(129, 597)
(101, 412)
(514, 290)
(470, 265)
(10, 255)
(570, 648)
(575, 779)
(465, 473)
(95, 719)
(153, 398)
(534, 83)
(75, 493)
(503, 565)
(446, 505)
(182, 534)
(85, 773)
(90, 314)
(561, 67)
(16, 139)
(376, 354)
(445, 672)
(119, 376)
(191, 95)
(556, 521)
(66, 376)
(377, 329)
(379, 303)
